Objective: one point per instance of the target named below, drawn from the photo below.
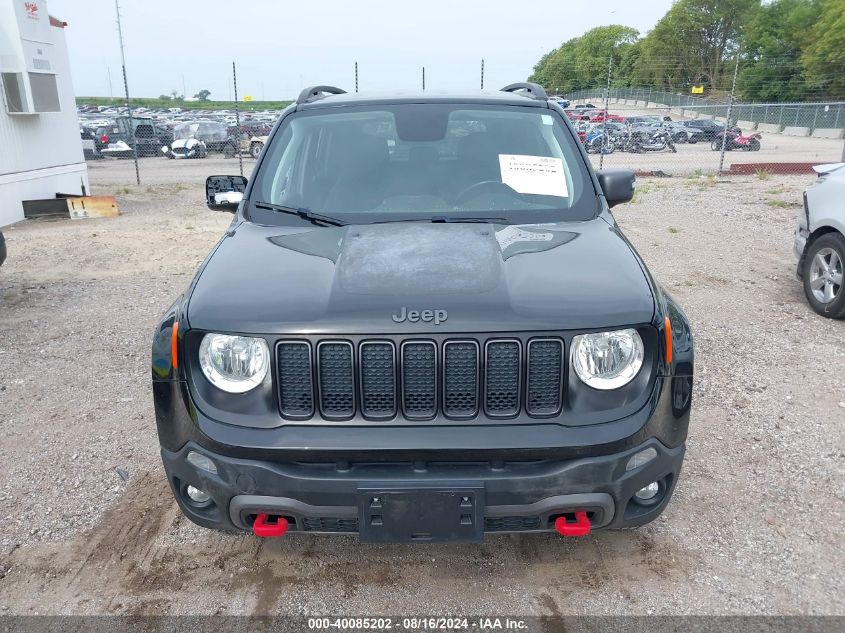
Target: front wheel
(822, 275)
(754, 145)
(681, 137)
(255, 149)
(716, 145)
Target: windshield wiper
(441, 219)
(305, 214)
(457, 219)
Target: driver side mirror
(224, 193)
(617, 185)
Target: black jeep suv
(423, 324)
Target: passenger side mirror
(224, 193)
(617, 185)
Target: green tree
(202, 95)
(772, 49)
(824, 56)
(690, 44)
(582, 61)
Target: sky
(280, 47)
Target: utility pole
(482, 73)
(126, 91)
(728, 116)
(237, 117)
(423, 77)
(356, 76)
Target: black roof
(483, 97)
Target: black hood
(482, 277)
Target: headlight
(234, 363)
(607, 360)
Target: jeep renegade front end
(423, 324)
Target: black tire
(255, 149)
(228, 151)
(692, 140)
(834, 242)
(681, 137)
(716, 145)
(754, 145)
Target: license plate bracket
(421, 515)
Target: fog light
(641, 458)
(201, 461)
(200, 496)
(645, 494)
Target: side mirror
(617, 185)
(224, 193)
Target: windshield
(420, 161)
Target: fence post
(604, 142)
(728, 117)
(815, 117)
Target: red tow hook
(581, 527)
(262, 528)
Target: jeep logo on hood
(415, 316)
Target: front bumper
(519, 496)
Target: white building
(40, 147)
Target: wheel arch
(816, 234)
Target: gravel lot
(88, 519)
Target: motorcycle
(638, 142)
(737, 140)
(596, 142)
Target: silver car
(819, 241)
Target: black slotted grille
(337, 386)
(511, 524)
(502, 373)
(419, 379)
(378, 380)
(296, 391)
(460, 379)
(545, 376)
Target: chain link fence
(650, 130)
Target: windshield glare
(418, 161)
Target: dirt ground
(89, 525)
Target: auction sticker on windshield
(539, 175)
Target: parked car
(2, 248)
(708, 128)
(249, 140)
(142, 132)
(416, 342)
(819, 242)
(89, 145)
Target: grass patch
(123, 190)
(674, 230)
(763, 174)
(782, 204)
(700, 173)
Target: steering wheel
(480, 188)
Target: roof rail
(318, 92)
(533, 91)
